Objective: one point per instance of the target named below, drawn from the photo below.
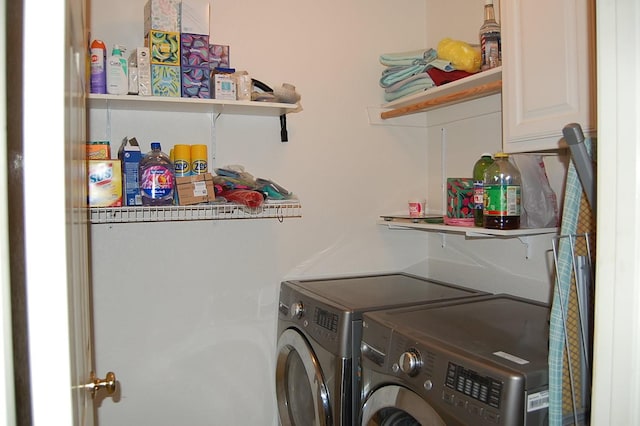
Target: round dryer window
(300, 388)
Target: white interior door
(56, 228)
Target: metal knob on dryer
(297, 310)
(410, 362)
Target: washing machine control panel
(297, 310)
(410, 362)
(481, 388)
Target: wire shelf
(227, 211)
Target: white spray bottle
(117, 73)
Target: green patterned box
(460, 198)
(165, 80)
(164, 47)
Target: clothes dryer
(319, 332)
(481, 362)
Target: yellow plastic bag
(461, 55)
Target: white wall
(185, 313)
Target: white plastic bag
(539, 202)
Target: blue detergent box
(130, 155)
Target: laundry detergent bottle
(157, 178)
(117, 73)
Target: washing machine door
(301, 390)
(394, 405)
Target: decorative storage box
(164, 47)
(459, 202)
(219, 56)
(196, 82)
(165, 80)
(162, 15)
(194, 50)
(194, 16)
(195, 189)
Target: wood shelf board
(473, 87)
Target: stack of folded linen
(415, 71)
(406, 72)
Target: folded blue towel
(398, 73)
(415, 86)
(413, 80)
(414, 57)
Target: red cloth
(440, 77)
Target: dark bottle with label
(478, 187)
(502, 194)
(490, 38)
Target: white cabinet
(548, 71)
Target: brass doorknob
(108, 383)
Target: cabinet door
(548, 71)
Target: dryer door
(300, 387)
(395, 405)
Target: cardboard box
(98, 150)
(105, 183)
(142, 59)
(166, 80)
(224, 87)
(164, 47)
(130, 155)
(194, 50)
(163, 15)
(196, 82)
(195, 189)
(194, 16)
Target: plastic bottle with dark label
(157, 178)
(478, 187)
(502, 194)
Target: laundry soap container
(157, 178)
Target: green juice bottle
(478, 187)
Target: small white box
(140, 57)
(194, 16)
(225, 87)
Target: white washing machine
(319, 332)
(481, 361)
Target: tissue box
(460, 199)
(194, 16)
(163, 15)
(164, 47)
(195, 189)
(130, 155)
(165, 80)
(196, 82)
(219, 56)
(194, 50)
(105, 183)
